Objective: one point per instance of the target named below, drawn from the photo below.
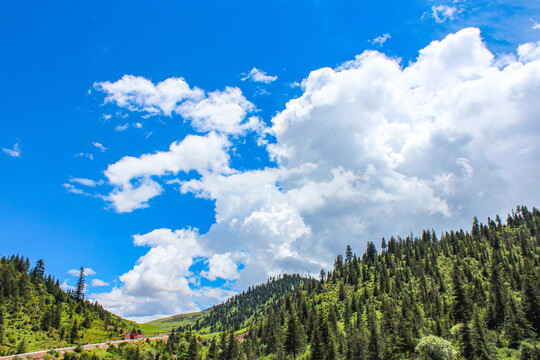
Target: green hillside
(36, 313)
(466, 295)
(175, 321)
(236, 311)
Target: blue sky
(255, 183)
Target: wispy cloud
(441, 13)
(380, 40)
(294, 84)
(257, 75)
(99, 146)
(72, 189)
(535, 25)
(15, 151)
(98, 282)
(86, 155)
(76, 272)
(121, 127)
(86, 182)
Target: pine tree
(479, 338)
(293, 335)
(466, 341)
(373, 342)
(460, 306)
(322, 275)
(348, 254)
(21, 347)
(531, 300)
(212, 349)
(81, 284)
(496, 302)
(1, 326)
(316, 348)
(232, 347)
(193, 350)
(74, 333)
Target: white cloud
(136, 93)
(536, 25)
(257, 75)
(294, 84)
(200, 153)
(425, 139)
(223, 111)
(160, 281)
(121, 127)
(370, 149)
(72, 189)
(85, 155)
(76, 272)
(529, 52)
(443, 12)
(127, 198)
(99, 146)
(222, 266)
(98, 283)
(65, 286)
(380, 40)
(13, 152)
(86, 182)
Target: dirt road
(41, 354)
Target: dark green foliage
(81, 284)
(467, 294)
(476, 296)
(293, 336)
(530, 350)
(74, 333)
(238, 310)
(33, 306)
(193, 350)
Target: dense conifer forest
(36, 313)
(466, 295)
(235, 313)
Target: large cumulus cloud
(370, 149)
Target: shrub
(530, 350)
(435, 348)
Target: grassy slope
(21, 326)
(173, 322)
(23, 312)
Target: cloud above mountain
(371, 148)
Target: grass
(172, 322)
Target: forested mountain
(466, 295)
(36, 313)
(470, 294)
(234, 313)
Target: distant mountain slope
(469, 295)
(181, 320)
(36, 314)
(236, 311)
